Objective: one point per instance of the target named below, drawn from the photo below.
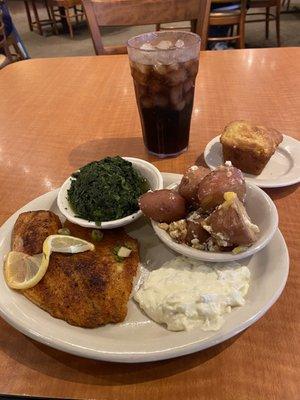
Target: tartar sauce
(186, 293)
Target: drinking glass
(164, 67)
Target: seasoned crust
(87, 289)
(32, 228)
(92, 288)
(249, 147)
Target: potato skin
(227, 225)
(163, 205)
(196, 231)
(213, 186)
(188, 187)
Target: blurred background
(40, 39)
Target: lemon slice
(66, 244)
(22, 271)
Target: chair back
(101, 13)
(242, 7)
(264, 3)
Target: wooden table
(58, 114)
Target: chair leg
(28, 15)
(54, 26)
(82, 13)
(267, 22)
(241, 30)
(47, 9)
(69, 22)
(37, 19)
(76, 15)
(278, 25)
(7, 52)
(157, 27)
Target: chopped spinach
(106, 190)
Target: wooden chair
(36, 22)
(11, 41)
(66, 11)
(234, 18)
(288, 3)
(5, 58)
(143, 12)
(267, 16)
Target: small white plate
(138, 339)
(262, 212)
(283, 169)
(147, 170)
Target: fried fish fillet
(92, 288)
(32, 228)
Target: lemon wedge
(66, 244)
(22, 271)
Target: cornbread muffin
(249, 147)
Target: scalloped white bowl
(262, 212)
(147, 170)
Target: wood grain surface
(58, 114)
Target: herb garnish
(106, 190)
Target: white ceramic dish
(262, 212)
(149, 171)
(283, 169)
(139, 339)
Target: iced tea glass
(164, 67)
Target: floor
(50, 45)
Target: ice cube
(156, 86)
(188, 97)
(176, 77)
(147, 46)
(164, 45)
(180, 106)
(161, 69)
(147, 102)
(143, 68)
(140, 73)
(173, 67)
(176, 94)
(160, 101)
(179, 43)
(188, 85)
(192, 67)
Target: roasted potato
(163, 205)
(195, 230)
(188, 187)
(230, 225)
(212, 187)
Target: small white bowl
(262, 212)
(147, 170)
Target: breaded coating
(92, 288)
(32, 228)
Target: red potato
(188, 187)
(230, 225)
(213, 186)
(196, 231)
(163, 205)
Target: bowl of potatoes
(212, 215)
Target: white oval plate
(283, 169)
(139, 339)
(262, 212)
